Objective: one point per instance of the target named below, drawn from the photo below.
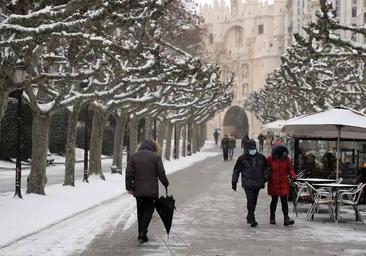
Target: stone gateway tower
(247, 38)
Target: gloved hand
(233, 186)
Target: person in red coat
(280, 169)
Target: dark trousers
(225, 153)
(274, 206)
(231, 153)
(216, 140)
(145, 210)
(252, 196)
(260, 147)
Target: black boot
(272, 219)
(253, 224)
(287, 221)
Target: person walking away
(261, 142)
(253, 168)
(232, 146)
(268, 144)
(244, 143)
(143, 171)
(216, 136)
(225, 147)
(280, 169)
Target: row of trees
(318, 71)
(113, 57)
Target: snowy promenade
(209, 221)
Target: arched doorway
(236, 122)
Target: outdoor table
(316, 180)
(335, 187)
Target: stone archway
(236, 122)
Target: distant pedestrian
(267, 149)
(232, 146)
(225, 147)
(216, 136)
(143, 170)
(253, 168)
(261, 142)
(281, 170)
(244, 143)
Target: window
(354, 12)
(354, 2)
(364, 17)
(364, 3)
(260, 29)
(245, 88)
(211, 36)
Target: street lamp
(20, 75)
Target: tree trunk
(118, 143)
(96, 141)
(198, 137)
(204, 134)
(133, 134)
(161, 136)
(168, 146)
(194, 139)
(4, 97)
(178, 131)
(184, 143)
(148, 128)
(70, 146)
(37, 178)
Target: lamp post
(20, 76)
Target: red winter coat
(278, 184)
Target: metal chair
(319, 197)
(352, 198)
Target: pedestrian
(143, 170)
(280, 170)
(225, 147)
(216, 136)
(267, 149)
(261, 142)
(244, 143)
(232, 146)
(253, 168)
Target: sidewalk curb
(7, 244)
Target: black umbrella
(165, 207)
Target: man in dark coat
(216, 136)
(225, 144)
(261, 142)
(244, 143)
(143, 170)
(252, 166)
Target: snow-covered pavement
(67, 217)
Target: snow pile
(21, 218)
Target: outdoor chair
(319, 197)
(302, 192)
(350, 197)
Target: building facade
(245, 38)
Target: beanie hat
(252, 144)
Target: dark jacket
(280, 169)
(225, 142)
(232, 143)
(143, 170)
(253, 171)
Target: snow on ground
(22, 218)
